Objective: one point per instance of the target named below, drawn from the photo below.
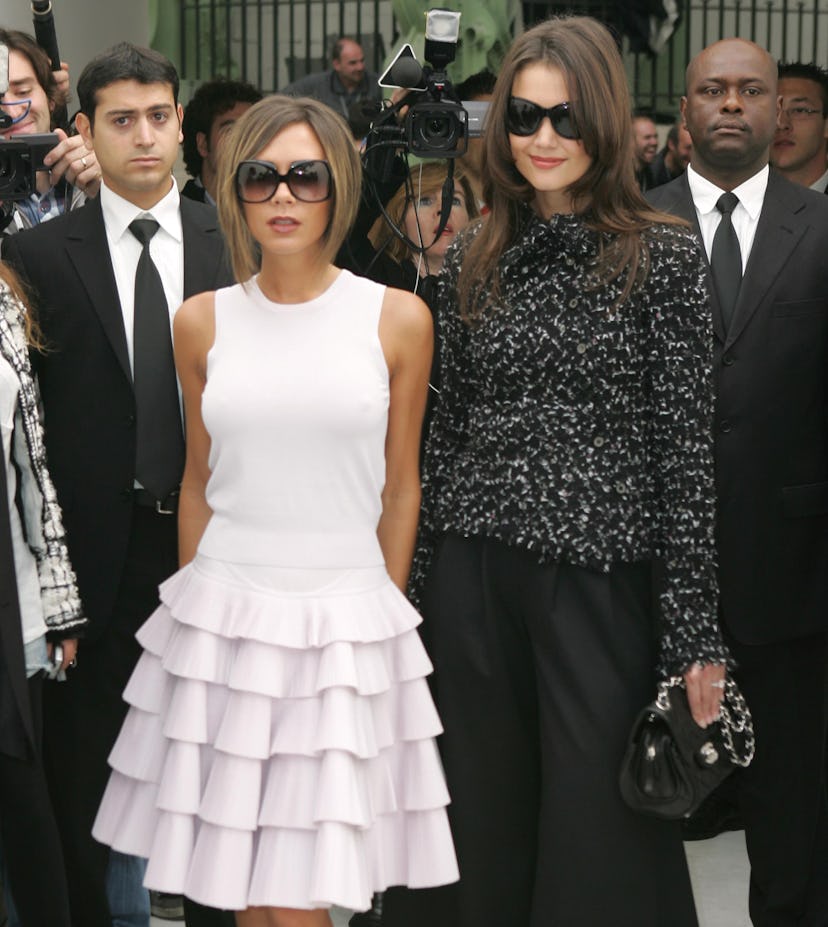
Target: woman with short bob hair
(271, 116)
(281, 698)
(568, 480)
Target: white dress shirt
(166, 251)
(745, 216)
(821, 183)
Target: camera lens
(438, 127)
(437, 131)
(12, 172)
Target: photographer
(33, 92)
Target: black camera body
(436, 124)
(20, 160)
(437, 129)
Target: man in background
(645, 148)
(800, 146)
(33, 92)
(672, 160)
(766, 240)
(346, 83)
(114, 435)
(209, 115)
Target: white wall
(84, 27)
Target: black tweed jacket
(580, 430)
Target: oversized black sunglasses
(308, 181)
(523, 117)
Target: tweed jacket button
(582, 348)
(598, 441)
(620, 487)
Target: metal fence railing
(271, 42)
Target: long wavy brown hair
(13, 282)
(607, 195)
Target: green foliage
(486, 31)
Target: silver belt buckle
(159, 507)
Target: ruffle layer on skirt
(279, 749)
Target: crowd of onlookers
(568, 471)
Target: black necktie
(726, 258)
(159, 459)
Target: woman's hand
(70, 652)
(705, 691)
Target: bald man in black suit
(771, 381)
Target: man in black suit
(771, 380)
(113, 434)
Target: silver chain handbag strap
(734, 718)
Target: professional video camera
(20, 158)
(436, 124)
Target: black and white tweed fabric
(580, 430)
(42, 520)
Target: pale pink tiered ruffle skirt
(279, 748)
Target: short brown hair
(249, 136)
(22, 42)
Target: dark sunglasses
(308, 181)
(523, 117)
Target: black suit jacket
(86, 383)
(771, 424)
(194, 192)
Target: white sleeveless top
(296, 406)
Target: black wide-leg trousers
(540, 671)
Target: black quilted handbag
(671, 764)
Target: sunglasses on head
(523, 117)
(308, 181)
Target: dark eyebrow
(160, 107)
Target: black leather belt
(146, 499)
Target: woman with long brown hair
(568, 475)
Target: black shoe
(372, 918)
(167, 907)
(715, 815)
